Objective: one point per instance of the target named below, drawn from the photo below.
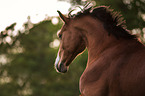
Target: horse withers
(116, 59)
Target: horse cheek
(82, 46)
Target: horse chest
(93, 82)
(96, 79)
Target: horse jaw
(59, 66)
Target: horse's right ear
(64, 18)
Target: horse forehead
(67, 26)
(73, 23)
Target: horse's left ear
(64, 18)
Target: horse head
(71, 44)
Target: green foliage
(130, 9)
(29, 70)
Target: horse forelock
(114, 23)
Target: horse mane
(113, 22)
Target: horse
(116, 58)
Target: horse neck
(97, 46)
(96, 38)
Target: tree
(29, 70)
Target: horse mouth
(60, 66)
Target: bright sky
(18, 10)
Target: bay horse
(116, 59)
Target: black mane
(113, 22)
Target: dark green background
(29, 70)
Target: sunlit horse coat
(116, 59)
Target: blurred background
(29, 44)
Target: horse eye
(60, 36)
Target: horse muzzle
(60, 66)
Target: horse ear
(64, 18)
